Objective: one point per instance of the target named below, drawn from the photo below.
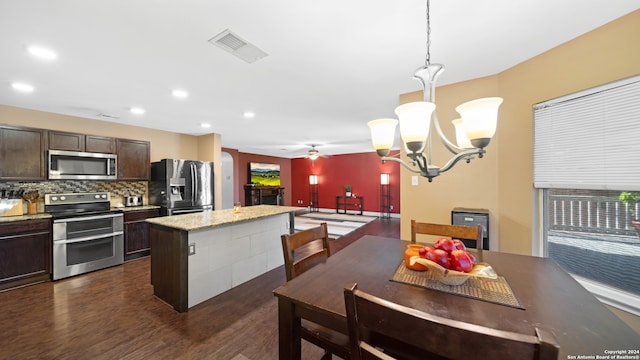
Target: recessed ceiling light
(137, 110)
(248, 114)
(180, 93)
(22, 87)
(42, 53)
(205, 125)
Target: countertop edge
(40, 216)
(215, 218)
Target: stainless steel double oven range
(87, 235)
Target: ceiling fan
(313, 153)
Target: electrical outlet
(414, 180)
(192, 249)
(390, 207)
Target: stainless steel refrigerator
(181, 186)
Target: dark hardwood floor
(112, 314)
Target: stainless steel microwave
(76, 165)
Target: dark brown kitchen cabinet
(60, 140)
(136, 233)
(134, 159)
(22, 153)
(25, 252)
(100, 144)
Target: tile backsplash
(117, 189)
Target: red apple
(444, 244)
(461, 261)
(458, 245)
(439, 257)
(424, 250)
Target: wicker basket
(452, 277)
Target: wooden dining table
(551, 299)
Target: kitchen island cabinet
(197, 256)
(25, 252)
(22, 153)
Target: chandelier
(474, 129)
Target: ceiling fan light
(479, 118)
(313, 156)
(382, 134)
(461, 136)
(415, 122)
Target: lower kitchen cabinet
(136, 233)
(25, 252)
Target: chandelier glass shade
(474, 129)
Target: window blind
(590, 139)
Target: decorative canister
(412, 250)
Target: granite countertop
(6, 219)
(209, 219)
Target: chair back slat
(309, 261)
(306, 258)
(406, 333)
(452, 231)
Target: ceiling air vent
(108, 116)
(237, 46)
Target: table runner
(496, 291)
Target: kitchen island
(197, 256)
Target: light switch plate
(192, 249)
(414, 180)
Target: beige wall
(601, 56)
(472, 185)
(502, 181)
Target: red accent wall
(361, 170)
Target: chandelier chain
(427, 59)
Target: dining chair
(300, 255)
(380, 329)
(452, 231)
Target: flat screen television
(261, 174)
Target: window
(586, 148)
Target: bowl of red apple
(449, 262)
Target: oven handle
(83, 218)
(88, 238)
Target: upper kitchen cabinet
(134, 159)
(22, 153)
(100, 144)
(59, 140)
